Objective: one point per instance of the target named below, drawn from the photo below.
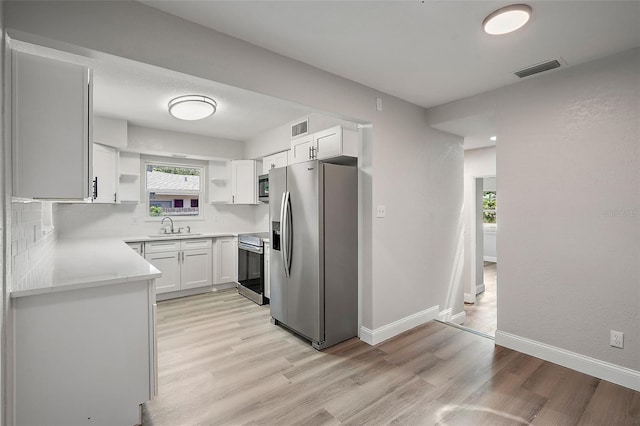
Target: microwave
(263, 188)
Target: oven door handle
(249, 247)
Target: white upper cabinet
(275, 161)
(51, 110)
(105, 168)
(244, 181)
(302, 149)
(336, 143)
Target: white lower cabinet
(84, 356)
(226, 260)
(169, 264)
(185, 264)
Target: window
(489, 207)
(173, 190)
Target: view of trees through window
(173, 190)
(489, 207)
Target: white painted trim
(380, 334)
(601, 369)
(490, 259)
(445, 315)
(459, 318)
(469, 298)
(480, 288)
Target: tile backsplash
(32, 241)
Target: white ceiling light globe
(192, 107)
(507, 19)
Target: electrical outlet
(382, 211)
(379, 104)
(617, 339)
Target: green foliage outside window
(155, 211)
(489, 207)
(191, 171)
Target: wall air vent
(535, 69)
(300, 129)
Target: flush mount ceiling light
(507, 19)
(192, 107)
(493, 138)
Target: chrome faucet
(170, 220)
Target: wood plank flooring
(221, 362)
(482, 316)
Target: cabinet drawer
(202, 243)
(160, 246)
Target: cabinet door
(105, 163)
(168, 263)
(51, 106)
(226, 269)
(328, 143)
(281, 159)
(268, 163)
(195, 269)
(301, 149)
(275, 161)
(243, 182)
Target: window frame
(201, 191)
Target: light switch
(382, 211)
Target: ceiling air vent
(535, 69)
(299, 129)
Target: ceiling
(426, 52)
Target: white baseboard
(459, 318)
(446, 316)
(468, 298)
(380, 334)
(480, 288)
(490, 259)
(603, 370)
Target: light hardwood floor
(482, 316)
(222, 362)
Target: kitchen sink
(182, 234)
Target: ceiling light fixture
(192, 107)
(507, 19)
(493, 138)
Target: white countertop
(85, 263)
(183, 236)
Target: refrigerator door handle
(289, 235)
(283, 229)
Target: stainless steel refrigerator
(313, 212)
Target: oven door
(250, 272)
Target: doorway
(481, 312)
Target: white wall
(477, 164)
(570, 268)
(405, 164)
(165, 142)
